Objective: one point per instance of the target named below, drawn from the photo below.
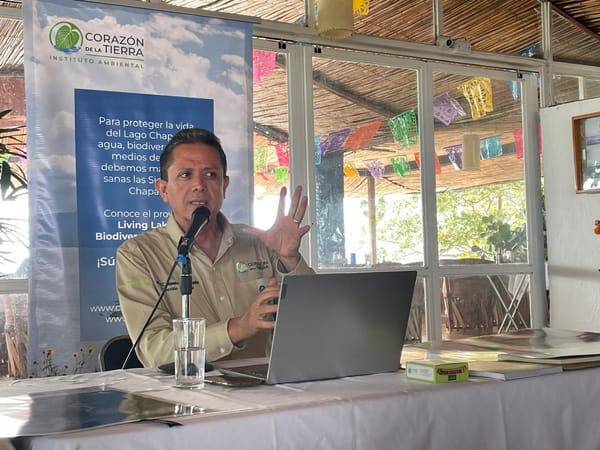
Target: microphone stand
(185, 286)
(151, 315)
(186, 290)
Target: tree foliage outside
(13, 185)
(13, 176)
(400, 230)
(485, 222)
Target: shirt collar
(175, 232)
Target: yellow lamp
(335, 18)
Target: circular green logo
(66, 37)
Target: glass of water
(188, 340)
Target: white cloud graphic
(184, 55)
(177, 61)
(234, 60)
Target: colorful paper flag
(263, 64)
(446, 108)
(404, 128)
(478, 92)
(334, 141)
(282, 149)
(362, 136)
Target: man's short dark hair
(190, 136)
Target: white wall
(573, 248)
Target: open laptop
(336, 325)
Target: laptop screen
(341, 324)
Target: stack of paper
(510, 370)
(518, 354)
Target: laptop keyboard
(256, 371)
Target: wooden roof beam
(337, 88)
(271, 132)
(565, 15)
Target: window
(368, 202)
(14, 214)
(372, 145)
(271, 132)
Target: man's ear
(161, 187)
(225, 185)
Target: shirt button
(221, 350)
(222, 298)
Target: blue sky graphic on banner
(86, 63)
(118, 141)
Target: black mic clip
(200, 218)
(183, 248)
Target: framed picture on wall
(586, 148)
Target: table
(383, 411)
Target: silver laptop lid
(337, 325)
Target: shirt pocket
(254, 285)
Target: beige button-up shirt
(221, 289)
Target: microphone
(200, 218)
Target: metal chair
(113, 354)
(471, 305)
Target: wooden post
(15, 333)
(372, 220)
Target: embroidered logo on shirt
(242, 267)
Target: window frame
(301, 149)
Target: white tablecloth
(384, 411)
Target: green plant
(503, 242)
(47, 366)
(13, 178)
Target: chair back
(113, 353)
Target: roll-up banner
(106, 87)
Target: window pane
(13, 335)
(14, 220)
(367, 182)
(565, 88)
(14, 238)
(484, 304)
(271, 150)
(416, 330)
(11, 46)
(570, 88)
(480, 170)
(591, 88)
